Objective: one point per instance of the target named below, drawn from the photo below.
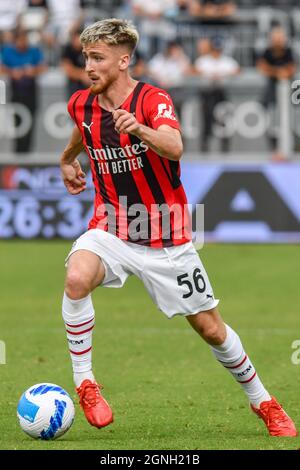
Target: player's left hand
(125, 122)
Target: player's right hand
(73, 177)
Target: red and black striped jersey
(138, 194)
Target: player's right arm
(72, 174)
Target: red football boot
(275, 418)
(96, 409)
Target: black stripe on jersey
(88, 114)
(142, 107)
(147, 168)
(175, 180)
(124, 183)
(148, 171)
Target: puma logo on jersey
(165, 111)
(87, 126)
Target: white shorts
(174, 277)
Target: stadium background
(245, 168)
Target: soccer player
(132, 138)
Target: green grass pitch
(166, 389)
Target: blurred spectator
(37, 3)
(158, 8)
(64, 16)
(34, 19)
(72, 63)
(170, 67)
(276, 63)
(152, 8)
(215, 67)
(169, 70)
(182, 6)
(152, 20)
(140, 70)
(22, 63)
(10, 11)
(212, 9)
(203, 47)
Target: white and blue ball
(45, 411)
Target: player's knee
(214, 334)
(76, 286)
(209, 325)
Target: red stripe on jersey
(167, 177)
(72, 105)
(174, 197)
(171, 168)
(103, 188)
(144, 190)
(89, 143)
(163, 181)
(149, 181)
(122, 172)
(86, 111)
(146, 181)
(82, 112)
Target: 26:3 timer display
(32, 214)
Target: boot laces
(89, 394)
(275, 414)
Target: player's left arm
(165, 140)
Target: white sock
(232, 356)
(79, 318)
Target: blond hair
(112, 31)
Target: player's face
(104, 64)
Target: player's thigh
(85, 268)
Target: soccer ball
(45, 411)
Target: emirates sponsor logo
(116, 153)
